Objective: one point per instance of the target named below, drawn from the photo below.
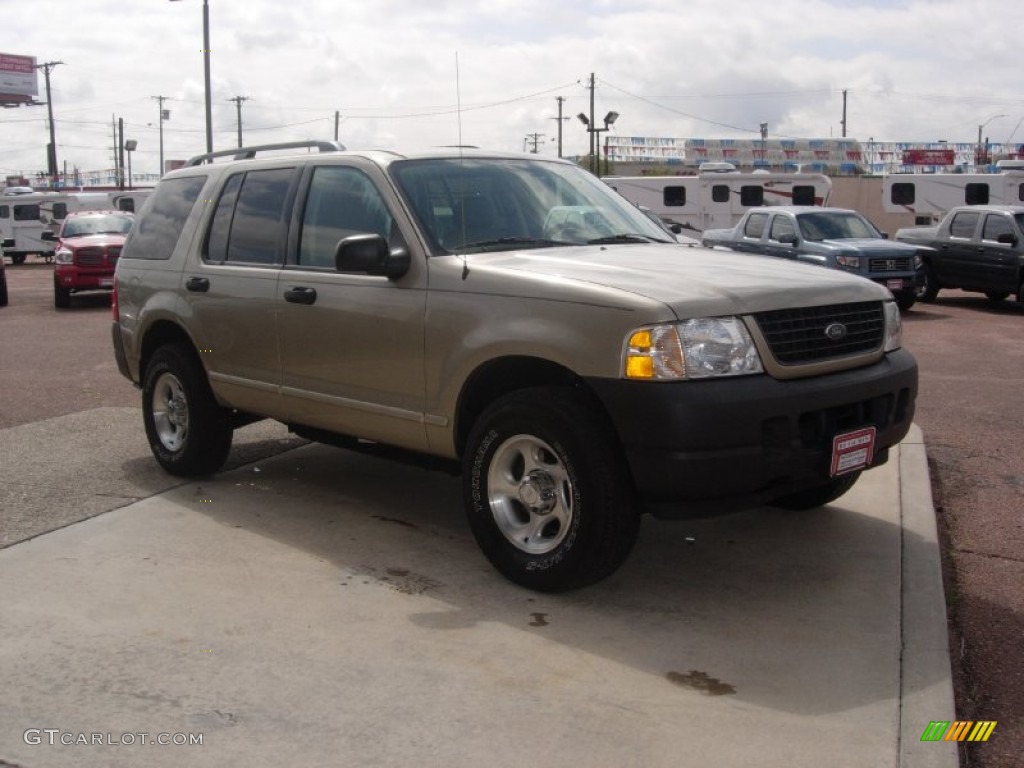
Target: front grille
(97, 256)
(901, 264)
(797, 336)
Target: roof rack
(247, 153)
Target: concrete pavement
(324, 608)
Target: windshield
(101, 224)
(467, 205)
(829, 225)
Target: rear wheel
(61, 295)
(928, 289)
(18, 258)
(905, 300)
(546, 491)
(996, 295)
(818, 497)
(188, 432)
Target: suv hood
(85, 241)
(692, 281)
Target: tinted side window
(674, 196)
(126, 204)
(720, 193)
(996, 225)
(782, 226)
(902, 194)
(755, 225)
(26, 213)
(803, 194)
(257, 226)
(220, 226)
(751, 197)
(976, 194)
(60, 211)
(156, 231)
(963, 224)
(342, 202)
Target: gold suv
(514, 317)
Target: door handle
(197, 284)
(300, 295)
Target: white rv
(929, 196)
(24, 217)
(714, 199)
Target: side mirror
(369, 254)
(48, 236)
(1007, 238)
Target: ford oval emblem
(836, 331)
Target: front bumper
(713, 446)
(77, 279)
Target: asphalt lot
(58, 364)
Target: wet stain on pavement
(539, 620)
(400, 579)
(701, 682)
(394, 520)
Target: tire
(3, 286)
(928, 289)
(996, 295)
(820, 496)
(905, 300)
(547, 492)
(18, 258)
(61, 296)
(189, 434)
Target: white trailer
(24, 217)
(717, 200)
(929, 196)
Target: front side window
(964, 224)
(995, 225)
(782, 226)
(755, 225)
(342, 202)
(156, 233)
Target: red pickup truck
(88, 247)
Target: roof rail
(247, 153)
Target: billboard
(929, 157)
(18, 79)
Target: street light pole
(206, 75)
(979, 154)
(51, 155)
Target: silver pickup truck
(829, 237)
(511, 318)
(974, 248)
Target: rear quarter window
(755, 225)
(158, 228)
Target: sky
(413, 74)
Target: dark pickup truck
(974, 248)
(828, 237)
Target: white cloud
(913, 71)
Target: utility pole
(535, 140)
(51, 151)
(117, 167)
(844, 114)
(164, 115)
(560, 119)
(120, 153)
(337, 120)
(590, 130)
(764, 139)
(238, 105)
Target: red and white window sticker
(853, 450)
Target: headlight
(694, 349)
(64, 256)
(846, 260)
(893, 327)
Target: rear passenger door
(958, 260)
(998, 261)
(231, 291)
(352, 344)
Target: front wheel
(188, 432)
(546, 491)
(905, 300)
(820, 496)
(61, 296)
(928, 289)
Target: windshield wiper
(624, 238)
(532, 241)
